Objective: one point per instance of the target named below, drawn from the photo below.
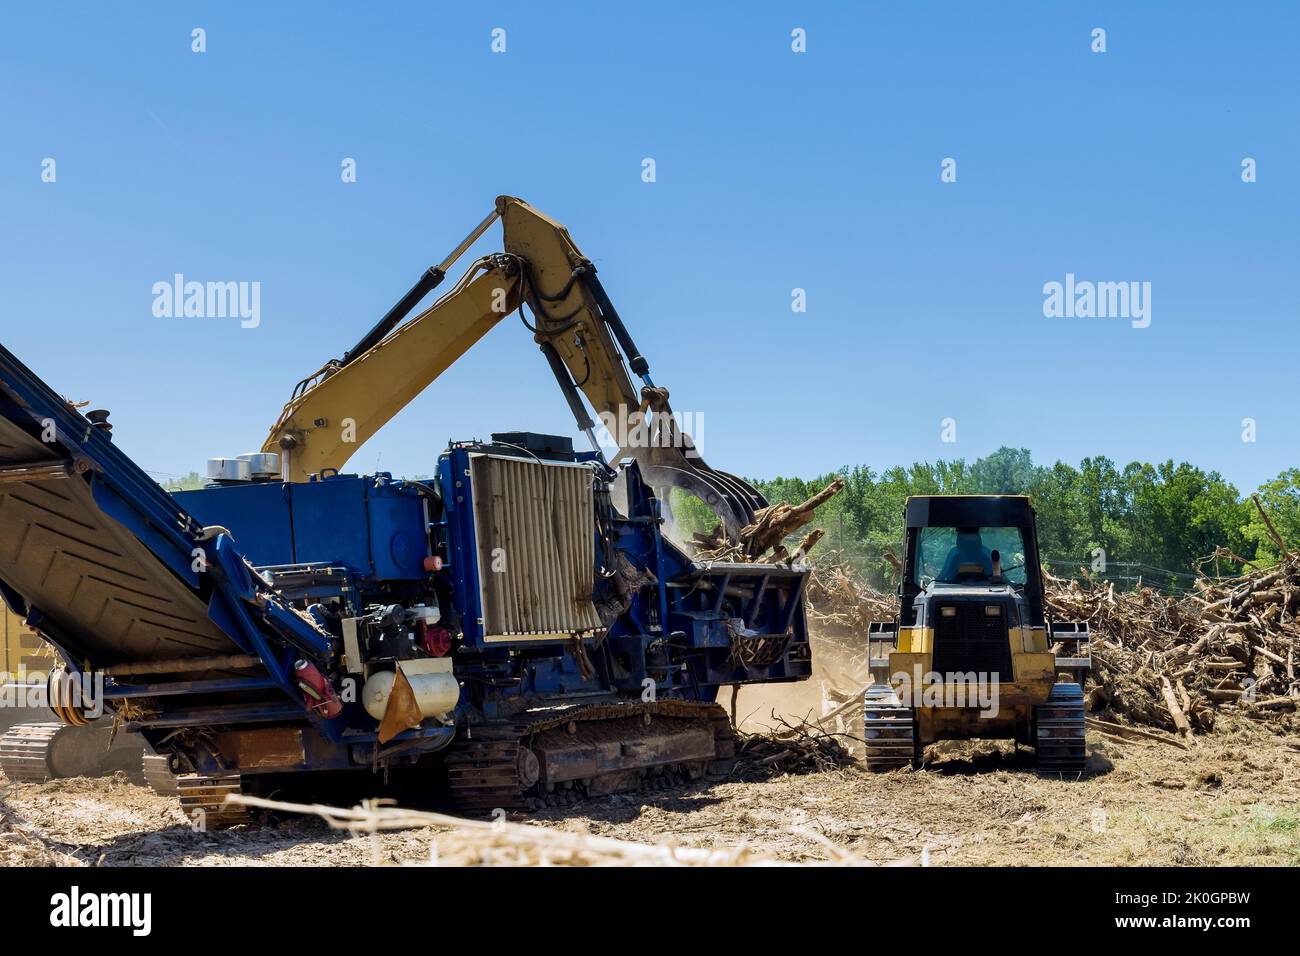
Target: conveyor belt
(106, 591)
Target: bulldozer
(971, 653)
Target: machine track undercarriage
(1059, 731)
(891, 742)
(37, 752)
(557, 756)
(158, 774)
(553, 757)
(889, 730)
(206, 795)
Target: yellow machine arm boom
(338, 408)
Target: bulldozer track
(1060, 733)
(492, 766)
(483, 769)
(889, 730)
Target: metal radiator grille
(971, 641)
(535, 525)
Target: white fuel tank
(436, 688)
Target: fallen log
(1175, 710)
(1132, 732)
(1276, 703)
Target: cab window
(965, 555)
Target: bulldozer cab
(959, 543)
(970, 570)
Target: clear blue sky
(775, 170)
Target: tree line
(1155, 522)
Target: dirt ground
(1233, 799)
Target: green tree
(1180, 514)
(190, 482)
(1008, 471)
(1281, 499)
(1153, 522)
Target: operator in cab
(969, 550)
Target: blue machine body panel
(458, 512)
(259, 517)
(372, 525)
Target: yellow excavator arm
(569, 318)
(335, 410)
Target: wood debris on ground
(841, 602)
(23, 845)
(802, 747)
(501, 842)
(1174, 662)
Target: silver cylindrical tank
(262, 464)
(228, 469)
